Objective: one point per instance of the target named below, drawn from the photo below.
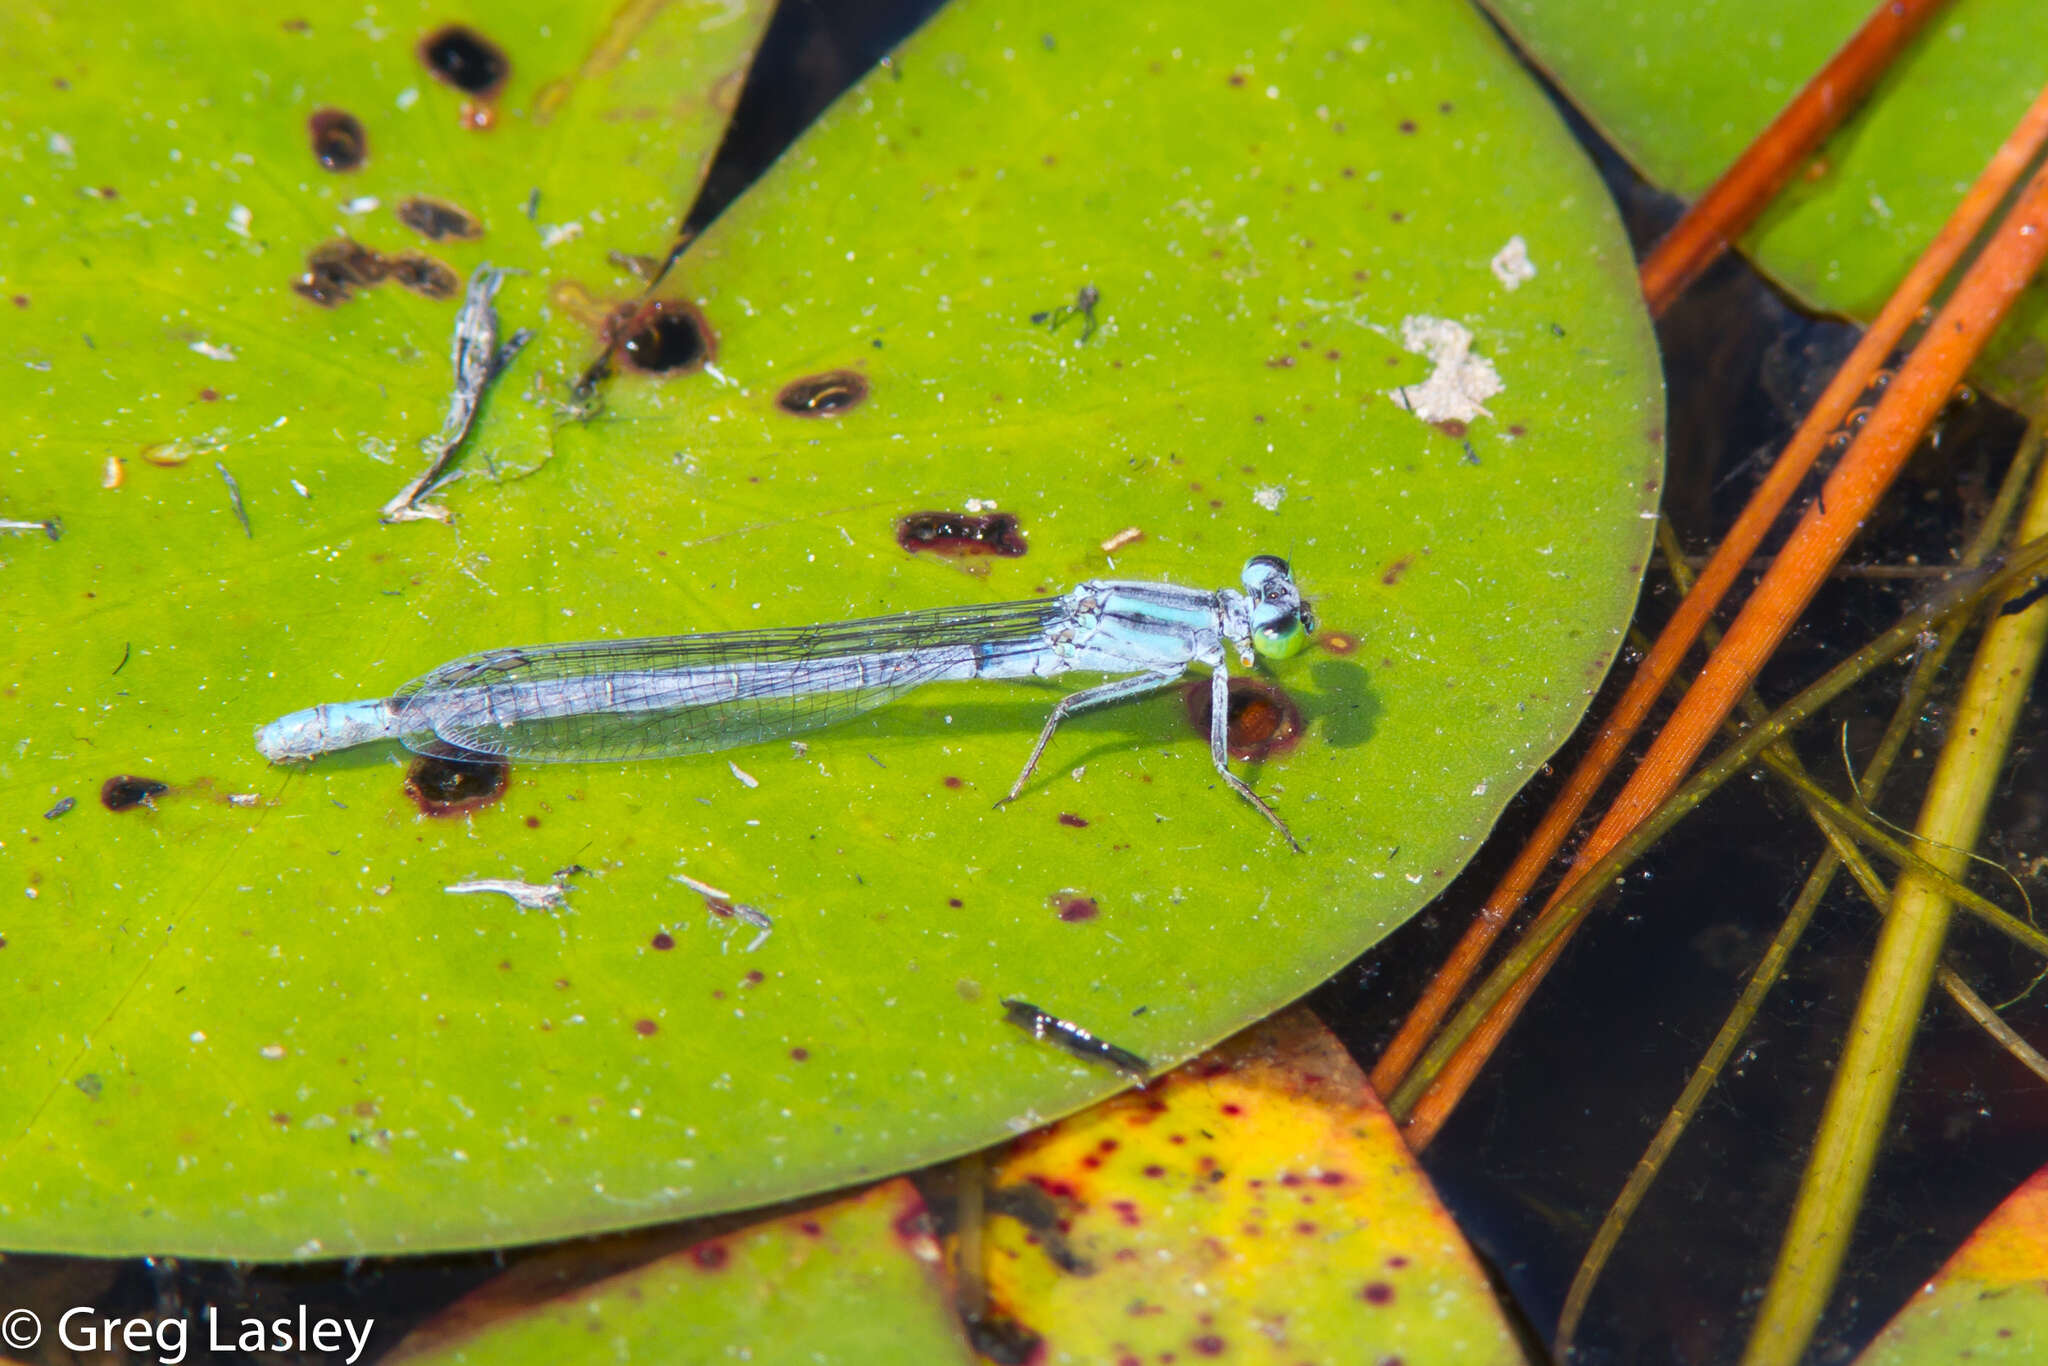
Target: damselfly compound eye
(1280, 636)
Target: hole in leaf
(455, 782)
(466, 60)
(1263, 721)
(339, 142)
(665, 337)
(125, 792)
(962, 533)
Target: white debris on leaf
(529, 895)
(700, 888)
(214, 352)
(981, 505)
(239, 218)
(1511, 264)
(559, 233)
(1457, 389)
(759, 919)
(1268, 496)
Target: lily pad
(1987, 1303)
(1682, 90)
(1258, 1202)
(854, 1281)
(1188, 285)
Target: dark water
(1546, 1138)
(1544, 1142)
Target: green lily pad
(1682, 90)
(248, 1018)
(854, 1281)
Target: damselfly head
(1281, 621)
(1262, 569)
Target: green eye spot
(1281, 638)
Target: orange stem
(1716, 577)
(1954, 340)
(1733, 202)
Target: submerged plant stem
(1662, 663)
(1926, 668)
(1843, 818)
(1463, 1046)
(1957, 335)
(1747, 187)
(1881, 1033)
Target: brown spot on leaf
(424, 275)
(825, 395)
(636, 264)
(437, 220)
(1075, 909)
(336, 269)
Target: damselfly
(644, 699)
